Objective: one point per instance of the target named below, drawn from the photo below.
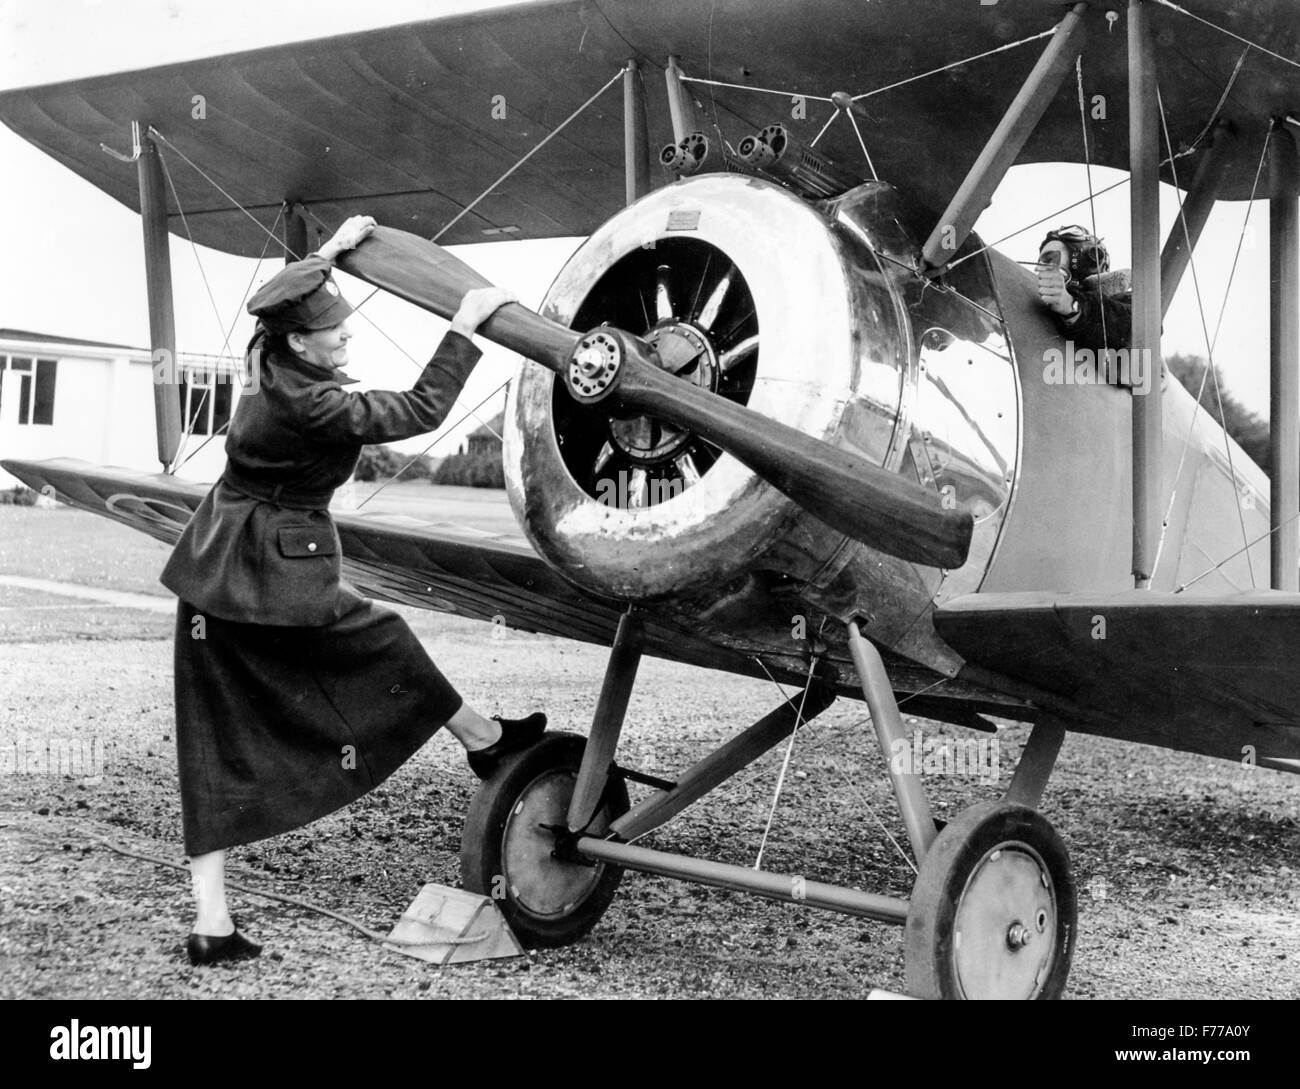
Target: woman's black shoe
(516, 734)
(211, 949)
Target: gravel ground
(1188, 868)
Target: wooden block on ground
(452, 926)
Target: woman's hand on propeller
(477, 306)
(349, 236)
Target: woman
(294, 694)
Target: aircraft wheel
(992, 913)
(507, 848)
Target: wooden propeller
(870, 504)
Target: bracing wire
(748, 87)
(198, 260)
(271, 237)
(957, 64)
(1038, 222)
(443, 230)
(1229, 33)
(1226, 559)
(518, 163)
(822, 131)
(878, 90)
(538, 147)
(445, 432)
(1210, 369)
(216, 434)
(1087, 161)
(866, 800)
(1189, 150)
(247, 288)
(193, 415)
(863, 145)
(221, 189)
(711, 82)
(1241, 237)
(785, 764)
(1208, 127)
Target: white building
(61, 397)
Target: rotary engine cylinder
(753, 294)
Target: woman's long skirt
(277, 726)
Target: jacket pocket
(298, 542)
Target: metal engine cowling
(760, 297)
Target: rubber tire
(928, 950)
(483, 841)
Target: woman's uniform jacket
(262, 547)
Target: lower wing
(432, 565)
(1208, 674)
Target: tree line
(478, 469)
(1249, 429)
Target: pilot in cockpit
(1093, 306)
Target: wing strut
(1008, 138)
(1284, 358)
(636, 141)
(158, 281)
(679, 102)
(1144, 212)
(297, 232)
(1201, 195)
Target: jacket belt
(280, 494)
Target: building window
(205, 392)
(36, 383)
(196, 401)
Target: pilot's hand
(1051, 289)
(479, 305)
(354, 231)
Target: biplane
(822, 395)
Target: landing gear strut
(992, 912)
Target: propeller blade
(423, 273)
(870, 504)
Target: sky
(74, 262)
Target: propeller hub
(593, 367)
(589, 362)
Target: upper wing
(1209, 674)
(413, 123)
(439, 566)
